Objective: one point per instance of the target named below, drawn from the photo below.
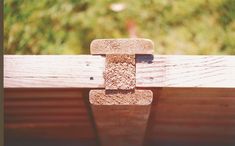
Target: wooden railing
(86, 71)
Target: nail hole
(91, 78)
(151, 78)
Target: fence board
(86, 71)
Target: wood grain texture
(121, 125)
(185, 71)
(86, 71)
(47, 114)
(122, 46)
(178, 116)
(121, 117)
(192, 116)
(52, 71)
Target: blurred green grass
(68, 26)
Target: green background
(68, 26)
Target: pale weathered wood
(122, 46)
(83, 71)
(121, 117)
(86, 71)
(185, 71)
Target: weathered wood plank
(53, 71)
(186, 71)
(86, 71)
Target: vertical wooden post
(120, 111)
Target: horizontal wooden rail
(86, 71)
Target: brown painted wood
(179, 116)
(86, 71)
(191, 116)
(47, 113)
(121, 118)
